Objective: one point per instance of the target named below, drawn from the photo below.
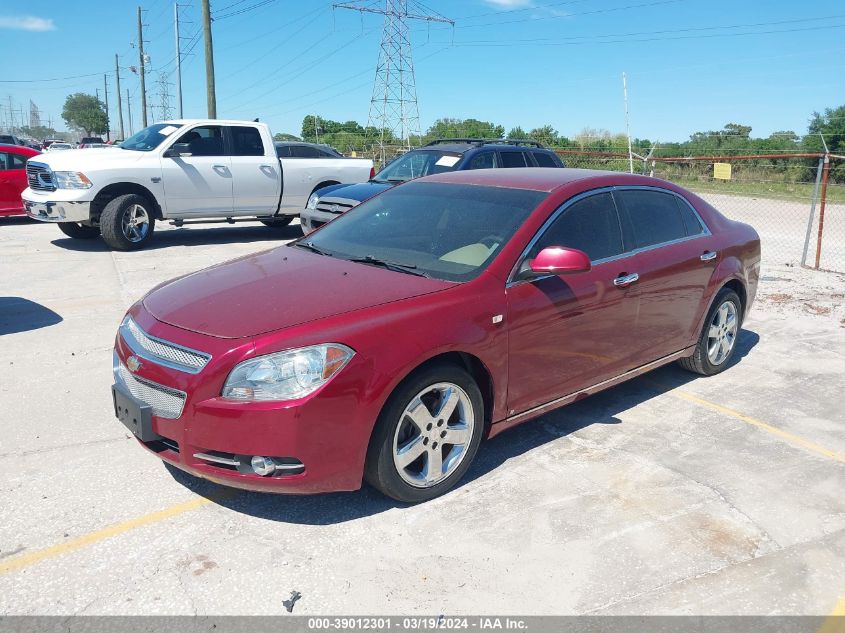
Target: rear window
(246, 141)
(655, 217)
(512, 159)
(543, 159)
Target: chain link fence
(796, 206)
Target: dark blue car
(436, 157)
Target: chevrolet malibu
(388, 344)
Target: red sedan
(13, 178)
(386, 345)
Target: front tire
(717, 341)
(127, 222)
(79, 231)
(427, 435)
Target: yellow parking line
(30, 558)
(835, 622)
(789, 437)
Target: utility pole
(178, 59)
(209, 61)
(141, 59)
(393, 107)
(119, 98)
(129, 112)
(106, 92)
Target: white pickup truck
(182, 171)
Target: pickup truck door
(199, 185)
(256, 172)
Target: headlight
(312, 201)
(286, 375)
(71, 180)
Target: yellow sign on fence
(722, 171)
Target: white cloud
(26, 23)
(509, 4)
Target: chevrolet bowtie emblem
(133, 364)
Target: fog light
(263, 465)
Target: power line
(257, 5)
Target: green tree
(546, 135)
(832, 125)
(39, 132)
(85, 112)
(517, 132)
(284, 136)
(464, 128)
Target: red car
(13, 178)
(386, 345)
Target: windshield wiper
(402, 268)
(314, 249)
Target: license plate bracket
(135, 415)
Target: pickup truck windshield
(445, 231)
(149, 138)
(418, 163)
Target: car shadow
(193, 236)
(22, 315)
(332, 508)
(17, 220)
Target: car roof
(536, 178)
(19, 147)
(462, 148)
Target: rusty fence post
(825, 177)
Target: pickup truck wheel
(277, 223)
(427, 435)
(127, 222)
(79, 231)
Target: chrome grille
(39, 176)
(165, 402)
(334, 207)
(162, 352)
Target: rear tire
(127, 222)
(79, 231)
(279, 222)
(410, 457)
(717, 342)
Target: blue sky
(691, 64)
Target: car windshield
(418, 163)
(446, 231)
(149, 138)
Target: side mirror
(178, 149)
(558, 260)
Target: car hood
(359, 192)
(88, 159)
(277, 289)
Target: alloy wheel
(433, 435)
(721, 336)
(135, 223)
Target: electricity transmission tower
(393, 107)
(164, 96)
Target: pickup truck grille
(39, 177)
(334, 207)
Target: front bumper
(319, 441)
(313, 219)
(58, 210)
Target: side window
(691, 221)
(304, 151)
(543, 159)
(246, 141)
(655, 217)
(204, 141)
(18, 161)
(283, 151)
(512, 159)
(484, 160)
(4, 161)
(590, 225)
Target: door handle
(706, 256)
(625, 280)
